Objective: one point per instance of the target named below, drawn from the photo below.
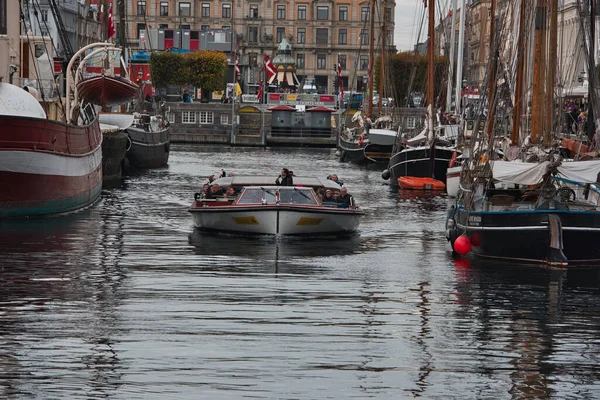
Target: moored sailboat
(538, 207)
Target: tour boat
(412, 182)
(261, 207)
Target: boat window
(297, 196)
(286, 196)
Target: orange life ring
(452, 160)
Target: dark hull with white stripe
(367, 153)
(558, 237)
(418, 162)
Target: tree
(206, 69)
(166, 69)
(401, 69)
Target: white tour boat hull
(276, 220)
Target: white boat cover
(269, 180)
(123, 121)
(17, 102)
(384, 137)
(532, 173)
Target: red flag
(237, 68)
(340, 82)
(259, 96)
(111, 23)
(269, 68)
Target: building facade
(322, 32)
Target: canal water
(126, 301)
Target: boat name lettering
(475, 219)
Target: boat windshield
(288, 195)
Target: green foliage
(206, 69)
(203, 69)
(165, 69)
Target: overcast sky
(408, 17)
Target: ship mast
(492, 77)
(371, 59)
(518, 103)
(430, 68)
(382, 60)
(539, 58)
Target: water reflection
(542, 309)
(275, 253)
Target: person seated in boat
(211, 179)
(320, 192)
(223, 173)
(345, 200)
(230, 192)
(285, 179)
(328, 199)
(216, 190)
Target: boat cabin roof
(268, 180)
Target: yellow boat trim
(304, 221)
(245, 220)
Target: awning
(290, 78)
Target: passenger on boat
(320, 194)
(285, 179)
(335, 178)
(230, 191)
(216, 190)
(345, 200)
(211, 179)
(223, 173)
(328, 199)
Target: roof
(281, 108)
(269, 180)
(320, 109)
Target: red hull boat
(105, 90)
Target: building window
(253, 11)
(188, 117)
(343, 36)
(185, 27)
(226, 10)
(300, 61)
(171, 117)
(206, 117)
(342, 61)
(322, 13)
(364, 13)
(343, 13)
(3, 20)
(185, 9)
(280, 12)
(164, 9)
(301, 35)
(163, 26)
(141, 8)
(301, 12)
(321, 61)
(280, 34)
(411, 122)
(206, 10)
(253, 34)
(253, 59)
(204, 27)
(364, 36)
(388, 14)
(140, 28)
(224, 119)
(364, 63)
(44, 15)
(322, 35)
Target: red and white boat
(46, 167)
(263, 208)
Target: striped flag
(237, 68)
(259, 96)
(269, 68)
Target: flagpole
(263, 134)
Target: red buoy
(462, 245)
